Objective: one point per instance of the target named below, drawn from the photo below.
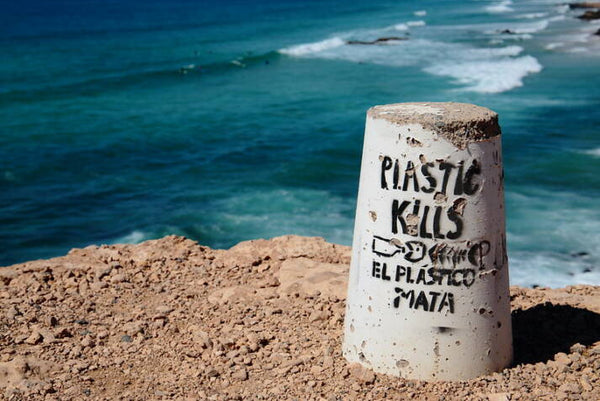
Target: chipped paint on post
(428, 291)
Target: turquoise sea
(122, 121)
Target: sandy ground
(170, 319)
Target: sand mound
(170, 319)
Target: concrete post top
(459, 123)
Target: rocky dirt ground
(170, 319)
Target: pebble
(87, 342)
(562, 359)
(117, 278)
(34, 338)
(241, 374)
(499, 397)
(362, 374)
(164, 309)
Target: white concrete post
(428, 293)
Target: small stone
(48, 336)
(212, 372)
(98, 285)
(200, 336)
(585, 383)
(362, 374)
(241, 374)
(102, 271)
(578, 348)
(562, 359)
(13, 312)
(34, 338)
(79, 367)
(87, 342)
(132, 328)
(316, 370)
(164, 309)
(499, 397)
(126, 338)
(118, 278)
(318, 316)
(569, 388)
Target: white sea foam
(501, 7)
(405, 26)
(532, 15)
(420, 13)
(489, 76)
(518, 30)
(557, 18)
(316, 47)
(550, 270)
(563, 229)
(531, 27)
(578, 49)
(555, 45)
(484, 70)
(592, 152)
(135, 237)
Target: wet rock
(584, 5)
(378, 41)
(590, 15)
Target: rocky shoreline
(171, 319)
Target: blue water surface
(122, 121)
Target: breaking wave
(478, 69)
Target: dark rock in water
(376, 41)
(587, 270)
(508, 31)
(579, 254)
(573, 6)
(590, 15)
(535, 286)
(597, 32)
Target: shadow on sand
(546, 329)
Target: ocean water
(122, 121)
